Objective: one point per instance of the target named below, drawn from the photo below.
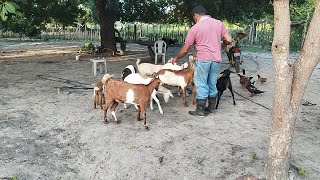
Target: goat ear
(222, 72)
(232, 72)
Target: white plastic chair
(160, 48)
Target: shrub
(87, 47)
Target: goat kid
(148, 69)
(98, 94)
(119, 91)
(223, 83)
(98, 89)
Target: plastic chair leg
(164, 59)
(156, 59)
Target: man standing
(206, 34)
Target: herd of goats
(137, 87)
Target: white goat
(148, 69)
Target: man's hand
(174, 60)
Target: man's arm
(227, 39)
(183, 51)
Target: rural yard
(49, 129)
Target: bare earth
(50, 131)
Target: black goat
(223, 83)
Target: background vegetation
(30, 18)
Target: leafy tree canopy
(33, 15)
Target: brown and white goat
(98, 94)
(119, 91)
(181, 78)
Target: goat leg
(139, 112)
(95, 100)
(151, 102)
(100, 97)
(230, 88)
(144, 117)
(113, 108)
(184, 90)
(154, 97)
(219, 96)
(108, 103)
(194, 90)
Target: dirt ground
(49, 129)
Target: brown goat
(98, 95)
(119, 91)
(181, 78)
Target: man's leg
(212, 81)
(201, 72)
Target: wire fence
(259, 32)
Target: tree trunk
(107, 20)
(290, 84)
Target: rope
(251, 100)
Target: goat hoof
(118, 122)
(146, 127)
(138, 119)
(105, 122)
(185, 105)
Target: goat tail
(95, 89)
(138, 61)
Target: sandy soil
(50, 131)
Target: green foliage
(300, 12)
(87, 47)
(22, 26)
(8, 8)
(35, 14)
(301, 171)
(14, 178)
(233, 11)
(65, 12)
(254, 156)
(144, 11)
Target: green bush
(87, 47)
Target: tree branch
(308, 59)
